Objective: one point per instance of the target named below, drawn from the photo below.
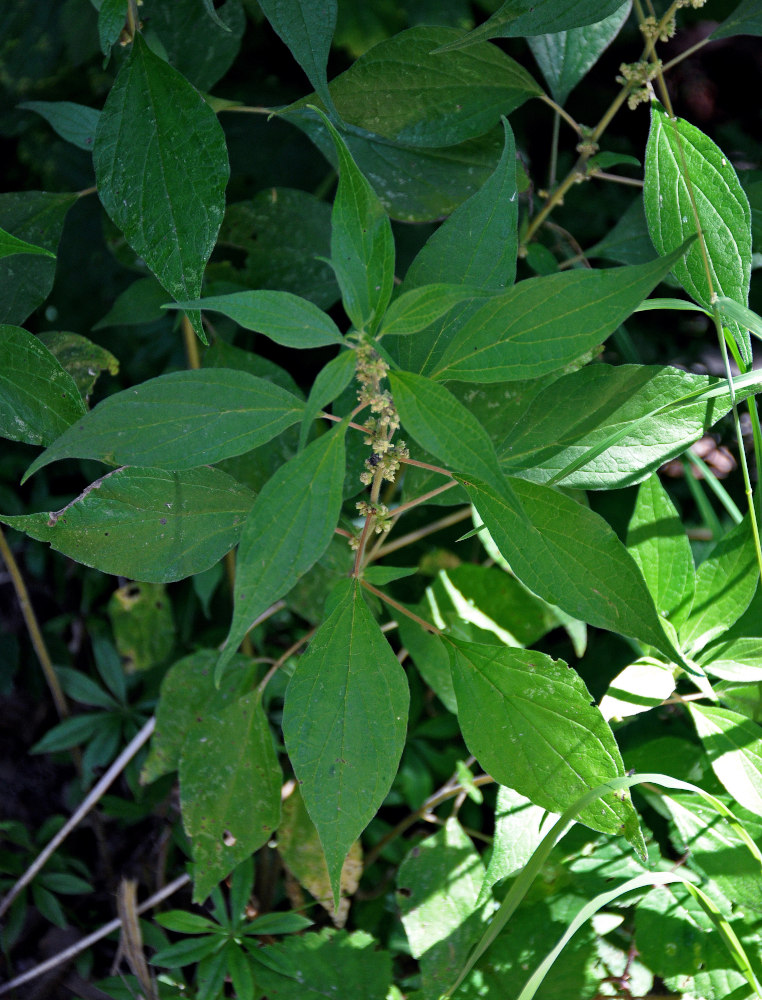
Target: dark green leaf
(414, 185)
(288, 529)
(657, 542)
(628, 242)
(569, 556)
(543, 323)
(187, 952)
(329, 384)
(230, 789)
(74, 122)
(84, 689)
(283, 232)
(111, 20)
(38, 397)
(746, 19)
(306, 26)
(167, 200)
(222, 355)
(566, 56)
(344, 723)
(38, 218)
(147, 524)
(285, 318)
(620, 423)
(332, 963)
(80, 357)
(200, 45)
(179, 421)
(187, 691)
(521, 18)
(403, 91)
(529, 722)
(477, 244)
(141, 302)
(11, 246)
(725, 584)
(677, 150)
(438, 887)
(362, 245)
(438, 422)
(429, 653)
(185, 923)
(70, 733)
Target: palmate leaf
(161, 167)
(344, 724)
(528, 721)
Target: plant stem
(400, 607)
(414, 536)
(560, 113)
(293, 648)
(422, 499)
(425, 465)
(33, 628)
(92, 798)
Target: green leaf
(725, 584)
(36, 217)
(38, 398)
(522, 18)
(185, 923)
(201, 41)
(677, 150)
(362, 245)
(111, 19)
(628, 242)
(603, 427)
(167, 201)
(404, 91)
(331, 963)
(179, 421)
(10, 246)
(75, 123)
(344, 724)
(566, 56)
(306, 26)
(738, 660)
(84, 689)
(140, 302)
(641, 686)
(528, 721)
(542, 324)
(80, 357)
(187, 952)
(429, 653)
(519, 830)
(746, 19)
(477, 244)
(569, 556)
(147, 524)
(746, 318)
(413, 184)
(187, 691)
(657, 542)
(283, 233)
(422, 306)
(288, 529)
(329, 384)
(438, 887)
(285, 318)
(230, 789)
(733, 744)
(438, 422)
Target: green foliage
(382, 325)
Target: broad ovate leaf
(529, 722)
(161, 167)
(147, 524)
(688, 179)
(641, 686)
(733, 744)
(179, 421)
(344, 723)
(287, 531)
(230, 783)
(39, 400)
(570, 557)
(542, 324)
